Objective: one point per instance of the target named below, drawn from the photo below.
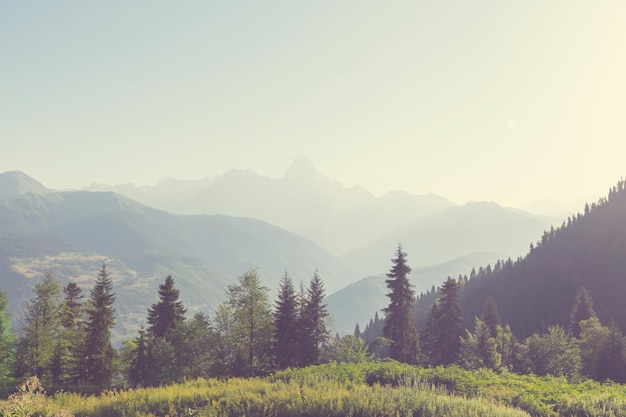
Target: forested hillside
(588, 250)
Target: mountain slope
(452, 233)
(539, 290)
(15, 183)
(73, 233)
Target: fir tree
(445, 328)
(99, 353)
(581, 310)
(314, 322)
(398, 326)
(168, 312)
(67, 358)
(286, 329)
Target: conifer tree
(314, 322)
(581, 310)
(69, 348)
(168, 312)
(99, 354)
(398, 326)
(37, 345)
(444, 327)
(286, 329)
(251, 326)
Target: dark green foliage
(98, 354)
(313, 322)
(399, 327)
(286, 325)
(610, 362)
(480, 349)
(66, 370)
(444, 330)
(168, 312)
(140, 373)
(491, 317)
(553, 353)
(581, 310)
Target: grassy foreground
(368, 389)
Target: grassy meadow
(366, 389)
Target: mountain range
(71, 233)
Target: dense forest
(532, 316)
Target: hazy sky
(510, 101)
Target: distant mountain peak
(301, 167)
(14, 183)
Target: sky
(506, 101)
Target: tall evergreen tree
(581, 310)
(168, 312)
(398, 326)
(252, 324)
(67, 357)
(314, 322)
(98, 355)
(445, 326)
(36, 347)
(286, 329)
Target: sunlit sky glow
(509, 101)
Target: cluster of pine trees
(66, 341)
(586, 348)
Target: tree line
(587, 348)
(65, 339)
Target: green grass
(360, 390)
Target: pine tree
(444, 327)
(314, 322)
(252, 324)
(99, 354)
(168, 312)
(398, 326)
(581, 310)
(36, 347)
(67, 357)
(286, 329)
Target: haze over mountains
(302, 201)
(297, 223)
